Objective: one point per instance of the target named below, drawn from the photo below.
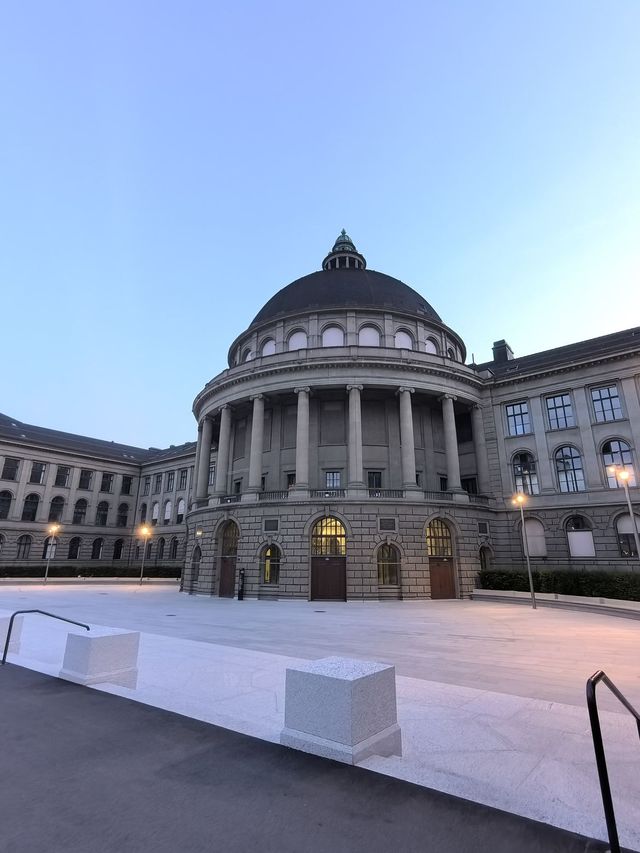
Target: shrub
(599, 584)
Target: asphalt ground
(84, 770)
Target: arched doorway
(328, 560)
(441, 566)
(196, 556)
(228, 557)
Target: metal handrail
(598, 746)
(44, 613)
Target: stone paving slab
(84, 770)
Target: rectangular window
(332, 479)
(237, 487)
(212, 475)
(443, 484)
(483, 528)
(291, 479)
(86, 477)
(37, 472)
(127, 485)
(419, 479)
(263, 483)
(62, 476)
(10, 469)
(171, 476)
(518, 422)
(387, 524)
(147, 486)
(560, 412)
(470, 485)
(374, 479)
(271, 525)
(106, 484)
(606, 404)
(182, 482)
(157, 485)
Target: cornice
(518, 378)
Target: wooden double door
(329, 578)
(443, 578)
(227, 577)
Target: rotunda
(341, 454)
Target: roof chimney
(502, 351)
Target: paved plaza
(490, 696)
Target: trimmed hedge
(89, 572)
(598, 584)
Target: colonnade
(355, 459)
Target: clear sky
(165, 167)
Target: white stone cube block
(343, 709)
(102, 655)
(16, 632)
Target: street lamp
(51, 547)
(145, 533)
(623, 475)
(519, 500)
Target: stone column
(451, 443)
(257, 435)
(480, 449)
(407, 444)
(194, 484)
(302, 438)
(205, 460)
(222, 468)
(355, 437)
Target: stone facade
(347, 432)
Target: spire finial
(344, 255)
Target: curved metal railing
(43, 613)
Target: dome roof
(345, 288)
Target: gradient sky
(165, 167)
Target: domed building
(348, 451)
(342, 454)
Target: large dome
(345, 288)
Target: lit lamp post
(51, 547)
(520, 500)
(623, 476)
(145, 533)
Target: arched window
(173, 549)
(579, 537)
(74, 548)
(160, 554)
(617, 453)
(168, 509)
(180, 513)
(96, 549)
(230, 537)
(569, 469)
(485, 558)
(143, 513)
(297, 340)
(118, 547)
(524, 474)
(196, 556)
(5, 504)
(122, 517)
(536, 542)
(149, 549)
(329, 538)
(333, 336)
(369, 336)
(439, 541)
(24, 547)
(268, 347)
(155, 513)
(49, 547)
(1, 542)
(431, 346)
(247, 355)
(80, 511)
(626, 538)
(30, 508)
(55, 509)
(270, 564)
(403, 340)
(102, 514)
(388, 565)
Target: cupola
(344, 255)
